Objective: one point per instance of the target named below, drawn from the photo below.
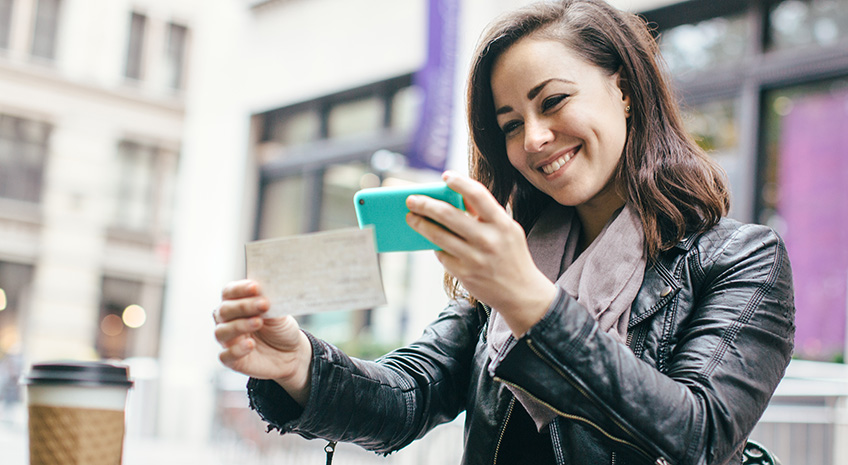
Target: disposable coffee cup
(76, 413)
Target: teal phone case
(384, 209)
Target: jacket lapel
(658, 288)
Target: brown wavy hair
(675, 186)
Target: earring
(627, 109)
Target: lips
(558, 163)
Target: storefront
(766, 89)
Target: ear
(624, 87)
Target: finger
(241, 289)
(453, 265)
(242, 308)
(227, 333)
(444, 238)
(478, 200)
(450, 221)
(443, 215)
(231, 355)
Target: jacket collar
(659, 286)
(687, 242)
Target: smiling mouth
(553, 166)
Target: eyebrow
(533, 93)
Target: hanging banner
(431, 142)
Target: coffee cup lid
(79, 373)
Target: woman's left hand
(486, 250)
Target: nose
(536, 135)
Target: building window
(292, 129)
(135, 47)
(5, 22)
(715, 126)
(340, 183)
(356, 117)
(715, 42)
(797, 23)
(46, 28)
(314, 156)
(15, 282)
(367, 113)
(305, 152)
(120, 314)
(283, 210)
(175, 55)
(23, 153)
(406, 108)
(144, 188)
(805, 174)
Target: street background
(144, 142)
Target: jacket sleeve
(727, 358)
(381, 405)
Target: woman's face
(564, 121)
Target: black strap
(330, 449)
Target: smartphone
(384, 209)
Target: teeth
(556, 164)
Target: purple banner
(430, 144)
(813, 186)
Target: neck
(593, 218)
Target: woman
(613, 315)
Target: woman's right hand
(265, 348)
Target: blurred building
(91, 128)
(143, 142)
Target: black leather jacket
(710, 335)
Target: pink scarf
(604, 279)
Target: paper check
(332, 270)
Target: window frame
(311, 160)
(38, 31)
(134, 68)
(7, 7)
(175, 54)
(763, 70)
(34, 169)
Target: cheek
(615, 139)
(515, 155)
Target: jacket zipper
(330, 449)
(503, 430)
(575, 417)
(586, 395)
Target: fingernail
(448, 174)
(261, 305)
(255, 323)
(413, 200)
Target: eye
(510, 127)
(553, 101)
